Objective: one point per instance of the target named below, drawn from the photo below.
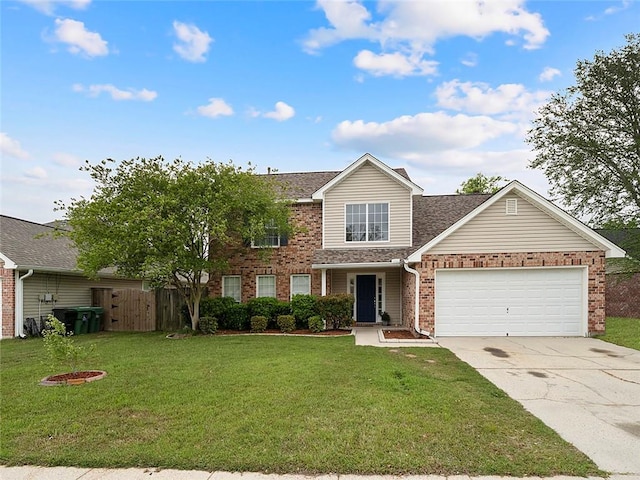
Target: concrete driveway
(585, 389)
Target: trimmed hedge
(337, 309)
(286, 323)
(316, 324)
(303, 307)
(258, 323)
(208, 325)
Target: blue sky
(445, 89)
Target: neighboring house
(511, 263)
(38, 272)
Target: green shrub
(337, 309)
(208, 325)
(303, 307)
(258, 323)
(268, 307)
(61, 348)
(216, 307)
(316, 324)
(237, 317)
(286, 323)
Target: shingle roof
(32, 245)
(304, 184)
(432, 215)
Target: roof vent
(512, 206)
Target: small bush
(262, 306)
(216, 307)
(208, 325)
(61, 348)
(237, 317)
(337, 309)
(258, 323)
(286, 323)
(303, 307)
(316, 324)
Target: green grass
(622, 331)
(272, 404)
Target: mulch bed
(73, 378)
(325, 333)
(403, 335)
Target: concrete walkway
(373, 337)
(73, 473)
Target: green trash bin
(95, 323)
(82, 319)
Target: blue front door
(365, 298)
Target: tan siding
(393, 296)
(367, 185)
(71, 291)
(338, 281)
(531, 230)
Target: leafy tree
(587, 140)
(171, 222)
(587, 137)
(481, 184)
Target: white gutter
(416, 308)
(19, 305)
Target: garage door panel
(521, 302)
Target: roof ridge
(27, 221)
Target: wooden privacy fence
(129, 310)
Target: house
(511, 263)
(38, 272)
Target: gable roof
(27, 245)
(611, 250)
(302, 185)
(367, 158)
(431, 216)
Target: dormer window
(367, 222)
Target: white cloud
(413, 28)
(615, 9)
(193, 43)
(48, 6)
(549, 74)
(216, 107)
(116, 93)
(79, 39)
(396, 64)
(412, 137)
(281, 113)
(470, 60)
(38, 173)
(12, 147)
(66, 160)
(510, 100)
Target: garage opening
(513, 302)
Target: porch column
(324, 282)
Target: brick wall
(623, 296)
(295, 258)
(408, 298)
(8, 301)
(595, 262)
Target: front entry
(366, 298)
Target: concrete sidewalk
(73, 473)
(373, 337)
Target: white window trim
(361, 242)
(291, 294)
(253, 243)
(275, 289)
(224, 294)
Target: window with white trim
(232, 287)
(367, 222)
(266, 286)
(300, 284)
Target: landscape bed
(282, 404)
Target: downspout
(19, 305)
(416, 308)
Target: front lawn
(623, 331)
(272, 404)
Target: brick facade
(8, 302)
(295, 258)
(594, 261)
(623, 295)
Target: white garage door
(516, 302)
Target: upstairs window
(271, 238)
(367, 222)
